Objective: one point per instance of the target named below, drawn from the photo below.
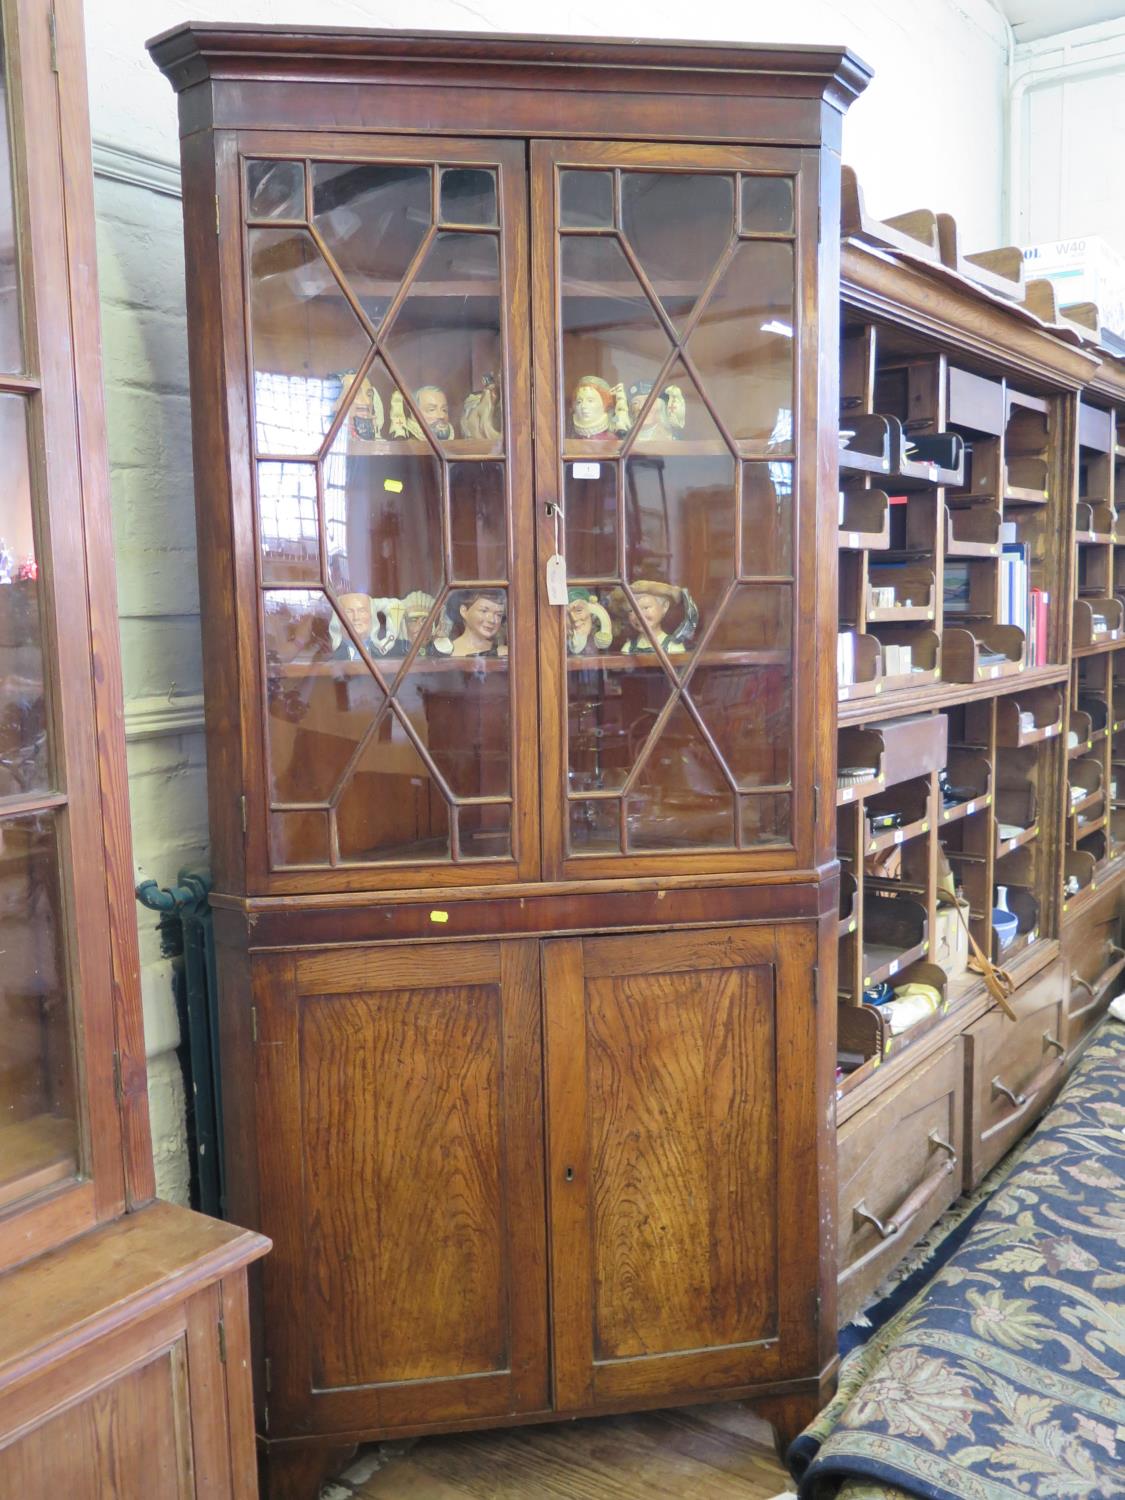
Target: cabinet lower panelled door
(678, 1186)
(401, 1160)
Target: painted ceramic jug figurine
(480, 416)
(588, 628)
(654, 601)
(406, 617)
(433, 407)
(365, 419)
(478, 620)
(660, 425)
(403, 424)
(359, 612)
(598, 409)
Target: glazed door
(389, 488)
(678, 1091)
(400, 1106)
(674, 293)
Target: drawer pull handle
(1053, 1041)
(1002, 1088)
(885, 1231)
(945, 1146)
(1086, 985)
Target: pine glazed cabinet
(515, 406)
(124, 1329)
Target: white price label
(994, 672)
(898, 835)
(556, 579)
(587, 471)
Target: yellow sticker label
(439, 916)
(394, 485)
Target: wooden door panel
(416, 1254)
(670, 1107)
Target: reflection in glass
(11, 344)
(590, 518)
(766, 820)
(275, 190)
(767, 205)
(478, 521)
(680, 798)
(304, 335)
(742, 345)
(373, 218)
(392, 808)
(595, 826)
(23, 703)
(468, 195)
(287, 523)
(613, 705)
(460, 712)
(611, 337)
(445, 338)
(767, 519)
(656, 207)
(586, 199)
(300, 838)
(485, 830)
(38, 1125)
(680, 522)
(748, 711)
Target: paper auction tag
(556, 579)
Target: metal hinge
(265, 1418)
(253, 1023)
(217, 216)
(222, 1342)
(243, 813)
(53, 33)
(815, 983)
(118, 1084)
(816, 804)
(268, 1374)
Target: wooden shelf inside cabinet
(1094, 523)
(962, 649)
(1088, 634)
(867, 664)
(1079, 734)
(923, 460)
(849, 918)
(1024, 719)
(925, 648)
(456, 448)
(1024, 905)
(591, 450)
(865, 445)
(864, 521)
(900, 749)
(972, 531)
(969, 770)
(895, 933)
(1078, 876)
(912, 588)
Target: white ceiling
(1032, 19)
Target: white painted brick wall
(928, 132)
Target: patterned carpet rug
(1005, 1378)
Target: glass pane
(485, 831)
(373, 218)
(23, 704)
(445, 341)
(38, 1118)
(275, 190)
(287, 523)
(590, 520)
(468, 195)
(392, 807)
(300, 838)
(586, 200)
(460, 712)
(321, 697)
(613, 706)
(656, 210)
(766, 820)
(767, 519)
(478, 521)
(767, 205)
(742, 345)
(306, 338)
(680, 798)
(11, 343)
(611, 339)
(742, 685)
(595, 826)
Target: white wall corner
(124, 164)
(162, 715)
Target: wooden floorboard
(718, 1452)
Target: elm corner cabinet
(526, 911)
(124, 1330)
